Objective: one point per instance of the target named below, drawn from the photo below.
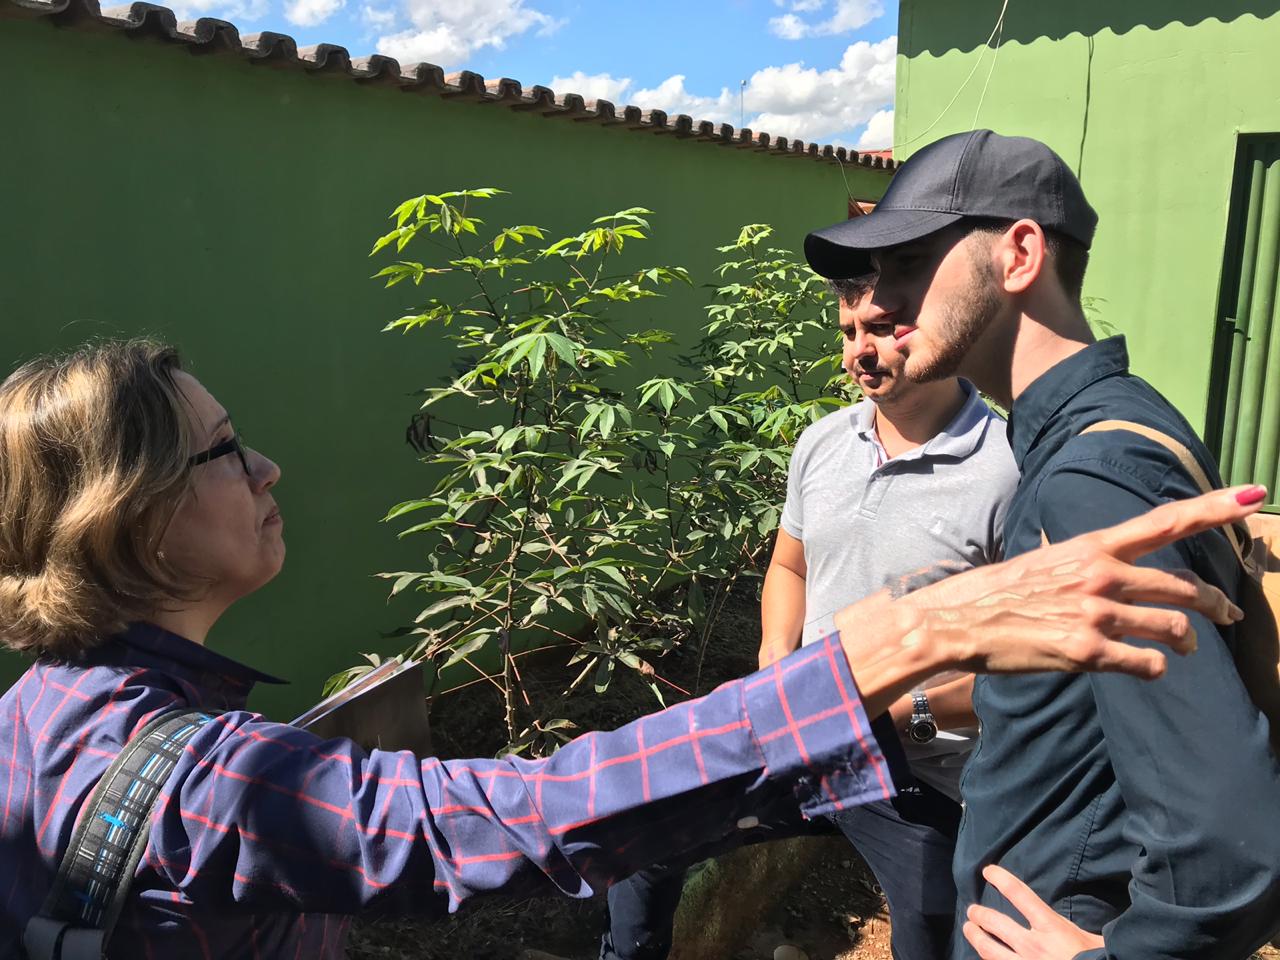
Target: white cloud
(594, 86)
(448, 33)
(310, 13)
(792, 101)
(879, 132)
(848, 15)
(788, 27)
(241, 11)
(672, 97)
(377, 18)
(799, 101)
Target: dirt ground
(835, 914)
(832, 904)
(831, 909)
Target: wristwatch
(921, 728)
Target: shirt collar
(156, 647)
(1054, 388)
(957, 439)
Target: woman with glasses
(132, 517)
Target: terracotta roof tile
(209, 35)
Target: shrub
(569, 507)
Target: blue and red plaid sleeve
(267, 816)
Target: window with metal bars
(1244, 413)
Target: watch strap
(919, 703)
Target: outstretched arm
(265, 816)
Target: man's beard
(961, 323)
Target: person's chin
(876, 387)
(919, 366)
(272, 568)
(273, 561)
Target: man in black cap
(1142, 814)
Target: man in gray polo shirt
(914, 477)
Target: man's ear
(1021, 255)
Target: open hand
(1065, 606)
(998, 937)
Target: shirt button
(746, 823)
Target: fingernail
(1191, 642)
(1251, 495)
(1236, 614)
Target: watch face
(923, 731)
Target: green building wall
(228, 208)
(1146, 99)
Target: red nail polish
(1251, 495)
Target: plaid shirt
(267, 838)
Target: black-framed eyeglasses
(221, 450)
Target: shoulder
(834, 425)
(96, 705)
(1123, 429)
(1105, 476)
(992, 457)
(993, 444)
(1153, 458)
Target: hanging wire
(847, 189)
(997, 29)
(995, 55)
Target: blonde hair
(93, 464)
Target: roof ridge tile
(210, 34)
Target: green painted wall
(1146, 99)
(229, 207)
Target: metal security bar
(1248, 349)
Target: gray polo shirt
(865, 520)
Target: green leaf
(564, 348)
(697, 604)
(658, 694)
(604, 673)
(447, 580)
(408, 506)
(403, 580)
(537, 355)
(606, 421)
(440, 606)
(612, 572)
(469, 644)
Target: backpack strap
(96, 872)
(1242, 545)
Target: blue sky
(821, 70)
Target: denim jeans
(908, 842)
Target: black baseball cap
(974, 174)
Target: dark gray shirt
(1142, 810)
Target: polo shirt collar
(1055, 388)
(196, 663)
(956, 440)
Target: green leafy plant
(573, 502)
